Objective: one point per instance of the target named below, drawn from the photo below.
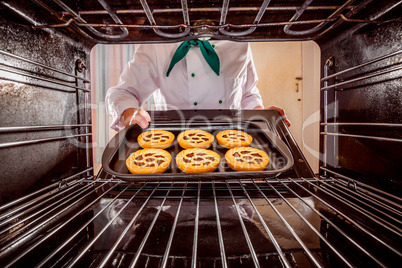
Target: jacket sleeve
(251, 97)
(137, 82)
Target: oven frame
(349, 205)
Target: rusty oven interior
(56, 213)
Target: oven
(56, 212)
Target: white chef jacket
(191, 84)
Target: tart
(233, 138)
(246, 159)
(195, 138)
(197, 160)
(159, 139)
(148, 161)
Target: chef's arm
(132, 116)
(137, 82)
(124, 108)
(251, 97)
(280, 111)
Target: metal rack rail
(21, 70)
(338, 81)
(364, 188)
(279, 221)
(36, 196)
(43, 66)
(40, 76)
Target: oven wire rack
(320, 221)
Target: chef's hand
(133, 116)
(280, 111)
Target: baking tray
(125, 142)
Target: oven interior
(56, 212)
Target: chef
(189, 75)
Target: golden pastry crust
(148, 161)
(233, 138)
(246, 159)
(197, 160)
(195, 138)
(159, 139)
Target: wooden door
(289, 77)
(279, 69)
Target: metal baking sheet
(125, 142)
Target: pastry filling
(155, 138)
(196, 138)
(248, 157)
(235, 137)
(149, 160)
(198, 159)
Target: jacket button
(220, 101)
(193, 74)
(195, 103)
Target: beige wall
(289, 77)
(278, 65)
(311, 103)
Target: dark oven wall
(40, 107)
(58, 99)
(362, 138)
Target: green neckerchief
(206, 49)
